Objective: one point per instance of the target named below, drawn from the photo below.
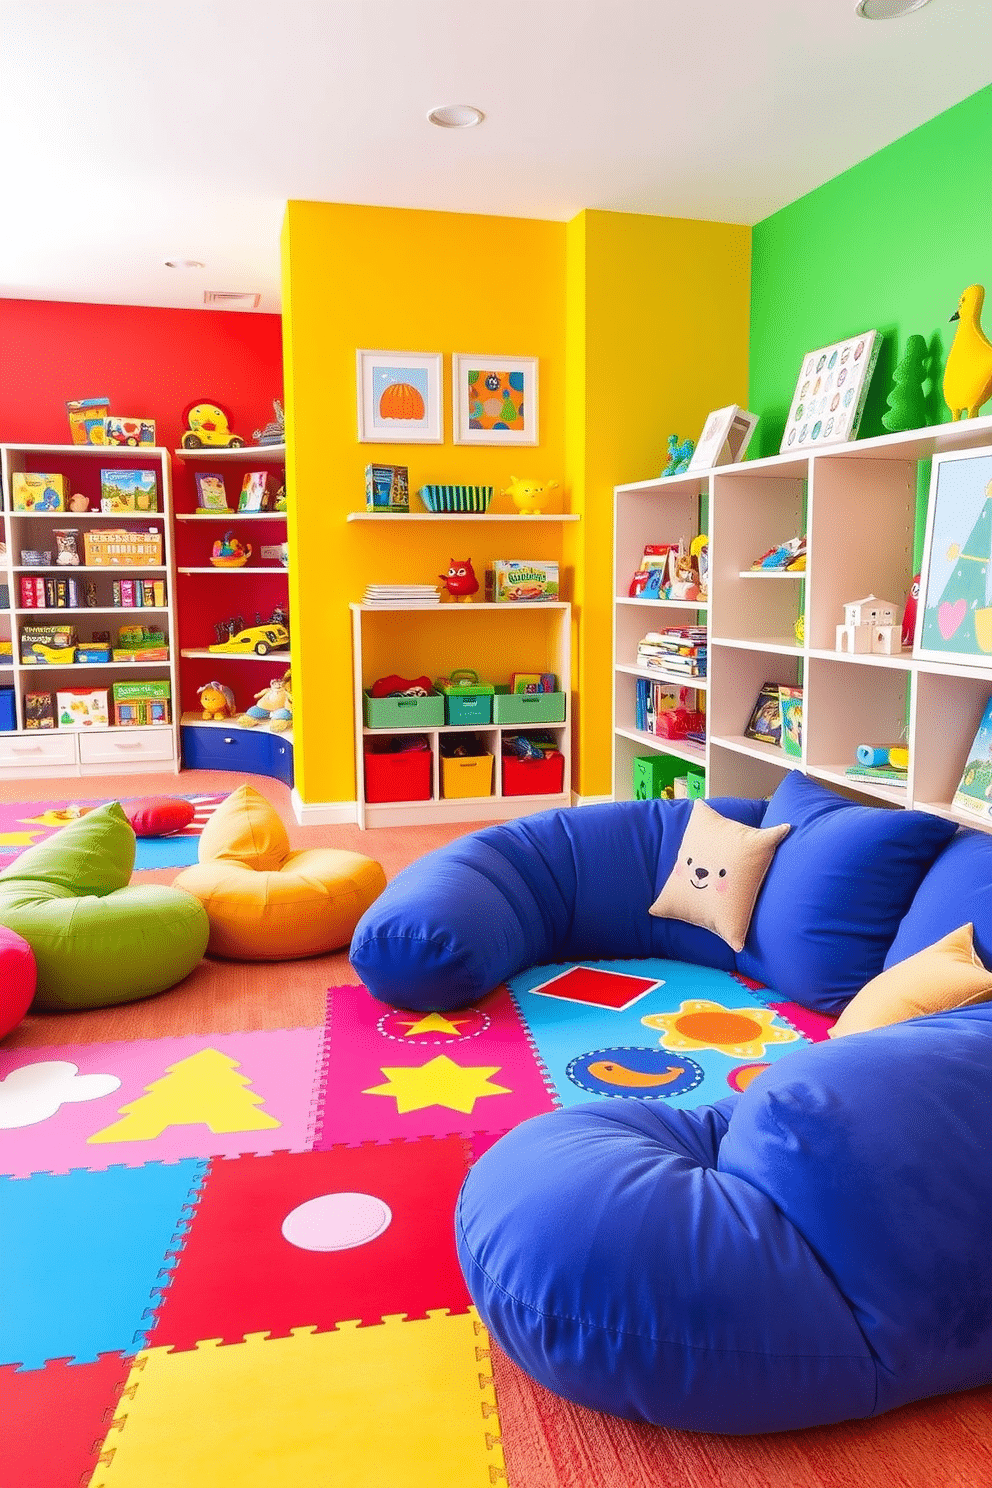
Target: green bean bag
(96, 941)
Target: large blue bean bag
(814, 1249)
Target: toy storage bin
(467, 701)
(534, 777)
(654, 773)
(8, 716)
(404, 712)
(697, 782)
(528, 707)
(396, 775)
(470, 775)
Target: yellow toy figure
(217, 700)
(273, 705)
(968, 374)
(527, 494)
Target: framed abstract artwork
(494, 399)
(830, 393)
(725, 438)
(400, 397)
(954, 613)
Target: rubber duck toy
(968, 374)
(228, 552)
(528, 495)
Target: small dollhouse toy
(870, 625)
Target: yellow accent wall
(640, 324)
(657, 336)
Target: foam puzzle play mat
(24, 824)
(234, 1253)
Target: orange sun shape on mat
(708, 1025)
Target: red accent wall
(148, 361)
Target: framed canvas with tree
(954, 618)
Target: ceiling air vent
(231, 299)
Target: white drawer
(37, 748)
(126, 746)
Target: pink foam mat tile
(100, 1105)
(392, 1073)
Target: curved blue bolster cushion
(576, 885)
(812, 1250)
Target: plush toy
(217, 700)
(527, 495)
(273, 705)
(460, 580)
(229, 552)
(679, 455)
(968, 374)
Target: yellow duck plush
(968, 374)
(527, 495)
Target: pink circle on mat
(337, 1221)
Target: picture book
(765, 723)
(211, 494)
(257, 491)
(974, 792)
(128, 490)
(830, 392)
(791, 701)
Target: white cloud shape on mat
(35, 1092)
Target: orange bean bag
(266, 902)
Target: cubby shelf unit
(430, 620)
(856, 503)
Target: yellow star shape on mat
(700, 1024)
(18, 839)
(439, 1082)
(433, 1023)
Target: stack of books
(680, 649)
(877, 774)
(406, 596)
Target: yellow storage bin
(467, 775)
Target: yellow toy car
(209, 428)
(258, 638)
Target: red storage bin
(403, 775)
(533, 777)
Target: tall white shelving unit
(856, 503)
(85, 751)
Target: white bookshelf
(856, 503)
(67, 751)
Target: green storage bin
(467, 701)
(528, 707)
(404, 712)
(697, 782)
(654, 774)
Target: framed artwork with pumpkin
(400, 397)
(954, 618)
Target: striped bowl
(456, 498)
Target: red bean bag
(17, 979)
(157, 816)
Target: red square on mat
(56, 1420)
(239, 1274)
(596, 987)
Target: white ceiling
(134, 132)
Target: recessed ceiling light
(888, 10)
(183, 263)
(456, 116)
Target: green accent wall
(888, 245)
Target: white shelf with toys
(441, 630)
(856, 504)
(78, 599)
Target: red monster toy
(460, 580)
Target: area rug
(24, 824)
(235, 1255)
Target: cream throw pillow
(945, 975)
(720, 868)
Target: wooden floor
(221, 996)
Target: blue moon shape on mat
(648, 1074)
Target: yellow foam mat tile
(409, 1404)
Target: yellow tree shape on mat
(204, 1089)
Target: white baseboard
(578, 800)
(324, 813)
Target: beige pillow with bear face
(946, 975)
(720, 868)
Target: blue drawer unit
(207, 747)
